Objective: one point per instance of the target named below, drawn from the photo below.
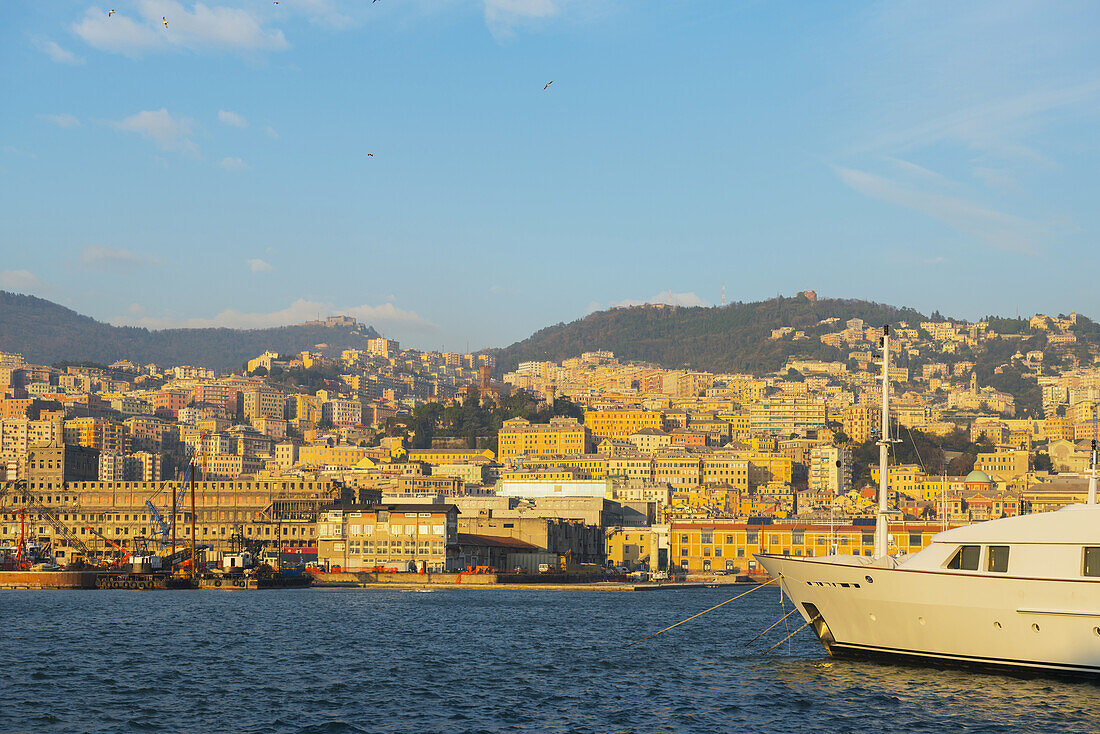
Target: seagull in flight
(165, 21)
(370, 155)
(548, 84)
(110, 13)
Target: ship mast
(881, 528)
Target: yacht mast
(881, 529)
(1092, 477)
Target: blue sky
(256, 164)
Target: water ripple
(347, 660)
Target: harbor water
(353, 660)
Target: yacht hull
(956, 619)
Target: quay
(492, 581)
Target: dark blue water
(350, 660)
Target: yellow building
(630, 547)
(449, 456)
(700, 546)
(342, 456)
(584, 466)
(904, 478)
(560, 437)
(1003, 464)
(620, 423)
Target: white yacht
(1016, 593)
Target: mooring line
(786, 638)
(700, 614)
(770, 628)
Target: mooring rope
(700, 614)
(787, 637)
(781, 619)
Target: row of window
(969, 558)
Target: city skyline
(254, 164)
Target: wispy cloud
(55, 52)
(257, 265)
(1002, 231)
(232, 164)
(998, 126)
(502, 16)
(996, 177)
(301, 310)
(232, 118)
(168, 132)
(271, 132)
(23, 281)
(200, 28)
(62, 120)
(103, 257)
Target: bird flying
(165, 21)
(370, 155)
(548, 83)
(110, 13)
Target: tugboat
(1017, 594)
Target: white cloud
(58, 54)
(260, 266)
(23, 281)
(203, 27)
(170, 133)
(688, 300)
(232, 164)
(298, 312)
(271, 132)
(62, 120)
(1002, 231)
(232, 118)
(102, 257)
(502, 16)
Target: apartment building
(560, 437)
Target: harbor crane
(61, 531)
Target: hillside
(733, 338)
(44, 332)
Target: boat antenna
(881, 529)
(1092, 477)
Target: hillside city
(590, 461)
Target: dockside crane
(123, 553)
(60, 529)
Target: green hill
(44, 332)
(733, 338)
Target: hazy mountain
(44, 332)
(719, 339)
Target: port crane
(164, 526)
(60, 529)
(123, 554)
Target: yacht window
(1092, 561)
(966, 558)
(998, 559)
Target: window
(683, 551)
(998, 559)
(752, 538)
(706, 536)
(1092, 561)
(729, 540)
(915, 539)
(966, 558)
(868, 539)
